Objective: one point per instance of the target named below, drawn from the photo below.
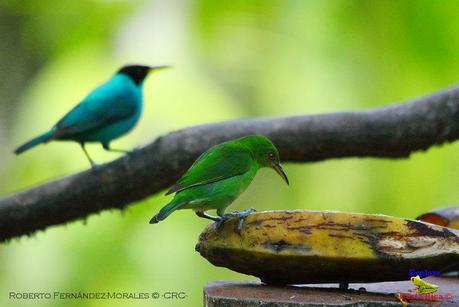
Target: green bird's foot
(209, 217)
(220, 220)
(241, 216)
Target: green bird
(220, 175)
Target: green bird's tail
(165, 211)
(38, 140)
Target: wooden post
(254, 293)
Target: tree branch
(389, 132)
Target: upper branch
(390, 132)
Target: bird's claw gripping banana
(240, 215)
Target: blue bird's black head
(138, 72)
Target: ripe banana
(295, 247)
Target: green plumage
(220, 175)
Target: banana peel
(448, 217)
(297, 247)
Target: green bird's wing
(102, 107)
(221, 162)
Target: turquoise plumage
(108, 112)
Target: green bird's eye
(271, 156)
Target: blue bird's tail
(38, 140)
(165, 211)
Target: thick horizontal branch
(390, 132)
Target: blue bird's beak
(155, 68)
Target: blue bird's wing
(105, 105)
(220, 162)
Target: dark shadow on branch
(390, 132)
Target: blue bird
(108, 112)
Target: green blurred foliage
(231, 59)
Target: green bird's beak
(155, 68)
(278, 168)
